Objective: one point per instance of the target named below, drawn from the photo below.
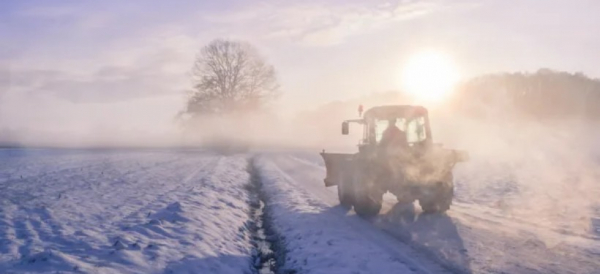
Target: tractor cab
(413, 122)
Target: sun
(429, 76)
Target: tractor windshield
(414, 128)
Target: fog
(47, 122)
(115, 83)
(546, 172)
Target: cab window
(382, 124)
(415, 130)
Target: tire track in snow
(329, 195)
(354, 225)
(269, 253)
(211, 194)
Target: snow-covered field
(478, 236)
(191, 211)
(321, 238)
(123, 212)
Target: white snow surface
(187, 211)
(98, 211)
(320, 238)
(472, 237)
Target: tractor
(416, 170)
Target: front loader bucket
(336, 165)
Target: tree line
(542, 95)
(231, 77)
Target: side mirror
(345, 128)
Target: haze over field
(74, 74)
(117, 74)
(236, 98)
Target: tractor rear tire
(367, 206)
(442, 201)
(345, 194)
(366, 201)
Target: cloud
(85, 19)
(102, 77)
(47, 12)
(125, 68)
(318, 23)
(119, 66)
(106, 85)
(4, 81)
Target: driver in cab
(393, 137)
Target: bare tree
(230, 77)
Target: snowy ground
(161, 211)
(321, 238)
(474, 237)
(123, 212)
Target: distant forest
(543, 95)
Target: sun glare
(429, 76)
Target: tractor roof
(394, 111)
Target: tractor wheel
(442, 201)
(366, 201)
(345, 194)
(366, 206)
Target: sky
(85, 68)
